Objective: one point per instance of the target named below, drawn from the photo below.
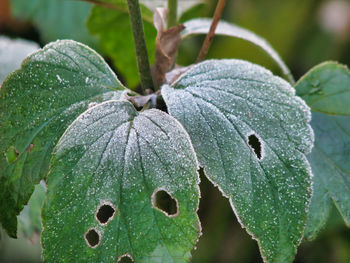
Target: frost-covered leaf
(251, 134)
(12, 53)
(37, 103)
(56, 19)
(129, 162)
(202, 26)
(112, 27)
(29, 220)
(326, 89)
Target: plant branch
(140, 45)
(209, 38)
(172, 15)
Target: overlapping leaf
(326, 89)
(202, 26)
(37, 103)
(114, 155)
(251, 134)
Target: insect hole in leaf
(164, 202)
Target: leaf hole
(92, 238)
(12, 154)
(126, 258)
(255, 145)
(164, 202)
(105, 213)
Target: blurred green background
(305, 33)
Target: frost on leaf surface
(37, 103)
(251, 134)
(326, 89)
(114, 155)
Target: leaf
(114, 155)
(12, 53)
(113, 29)
(37, 103)
(251, 134)
(192, 12)
(56, 19)
(326, 89)
(167, 44)
(202, 26)
(29, 220)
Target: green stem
(140, 45)
(172, 15)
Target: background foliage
(304, 32)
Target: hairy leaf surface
(326, 89)
(37, 103)
(202, 26)
(114, 155)
(251, 134)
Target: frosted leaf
(221, 104)
(326, 89)
(12, 53)
(202, 26)
(37, 103)
(114, 155)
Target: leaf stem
(140, 45)
(172, 15)
(209, 38)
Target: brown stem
(209, 38)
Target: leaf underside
(251, 134)
(113, 154)
(37, 103)
(326, 89)
(202, 26)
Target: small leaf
(29, 220)
(12, 53)
(326, 89)
(202, 26)
(116, 156)
(56, 19)
(113, 29)
(251, 134)
(37, 103)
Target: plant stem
(140, 45)
(172, 15)
(209, 38)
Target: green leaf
(326, 89)
(29, 220)
(113, 29)
(116, 156)
(202, 26)
(56, 19)
(194, 11)
(12, 53)
(37, 103)
(251, 134)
